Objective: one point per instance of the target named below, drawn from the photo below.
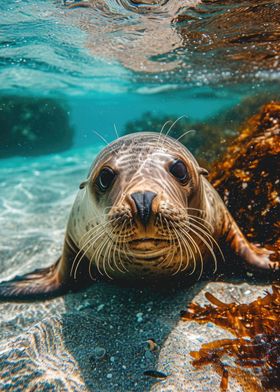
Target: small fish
(155, 374)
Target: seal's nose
(143, 202)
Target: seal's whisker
(199, 220)
(88, 233)
(108, 254)
(179, 236)
(82, 253)
(103, 260)
(115, 250)
(191, 256)
(172, 249)
(93, 238)
(204, 240)
(169, 231)
(104, 267)
(184, 134)
(97, 254)
(187, 246)
(161, 132)
(92, 229)
(88, 236)
(107, 208)
(180, 247)
(173, 125)
(196, 209)
(97, 261)
(211, 240)
(196, 250)
(121, 244)
(161, 222)
(101, 137)
(119, 261)
(207, 232)
(201, 230)
(89, 267)
(116, 131)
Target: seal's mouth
(149, 247)
(142, 243)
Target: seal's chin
(149, 247)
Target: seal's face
(145, 185)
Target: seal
(146, 210)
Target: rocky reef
(33, 126)
(212, 136)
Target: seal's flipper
(254, 256)
(46, 282)
(42, 283)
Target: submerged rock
(33, 126)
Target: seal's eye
(179, 170)
(105, 178)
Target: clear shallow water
(36, 197)
(111, 63)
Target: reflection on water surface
(121, 45)
(153, 36)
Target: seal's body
(145, 211)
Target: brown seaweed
(257, 346)
(247, 177)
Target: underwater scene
(139, 195)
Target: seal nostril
(143, 202)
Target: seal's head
(143, 193)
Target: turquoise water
(110, 64)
